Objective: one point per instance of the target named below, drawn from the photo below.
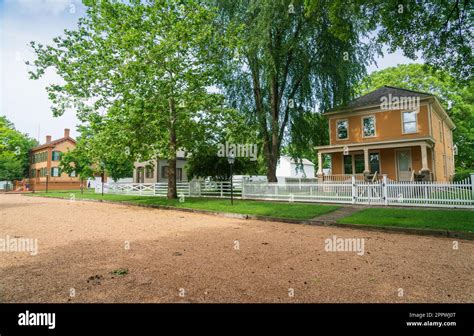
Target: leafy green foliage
(308, 130)
(14, 151)
(147, 67)
(439, 30)
(291, 55)
(456, 97)
(234, 128)
(77, 161)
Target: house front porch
(399, 160)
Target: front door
(404, 165)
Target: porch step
(332, 217)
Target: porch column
(424, 158)
(366, 161)
(320, 164)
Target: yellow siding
(388, 127)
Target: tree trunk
(172, 192)
(270, 147)
(271, 169)
(274, 145)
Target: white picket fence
(384, 192)
(186, 189)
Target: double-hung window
(409, 121)
(342, 129)
(368, 126)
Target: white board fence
(384, 192)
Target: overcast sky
(25, 101)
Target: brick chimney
(66, 132)
(48, 138)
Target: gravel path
(184, 257)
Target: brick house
(44, 165)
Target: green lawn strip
(453, 220)
(272, 209)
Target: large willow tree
(292, 59)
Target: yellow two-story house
(401, 133)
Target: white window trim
(403, 122)
(337, 131)
(362, 126)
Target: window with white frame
(409, 120)
(342, 128)
(368, 126)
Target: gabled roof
(53, 143)
(374, 97)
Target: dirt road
(174, 256)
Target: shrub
(462, 175)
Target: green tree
(456, 97)
(14, 151)
(78, 162)
(301, 144)
(439, 30)
(292, 56)
(146, 68)
(234, 128)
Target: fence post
(384, 189)
(222, 190)
(353, 182)
(243, 189)
(472, 184)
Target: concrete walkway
(334, 216)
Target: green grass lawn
(273, 209)
(455, 220)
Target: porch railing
(338, 178)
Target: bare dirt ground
(184, 257)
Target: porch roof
(428, 141)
